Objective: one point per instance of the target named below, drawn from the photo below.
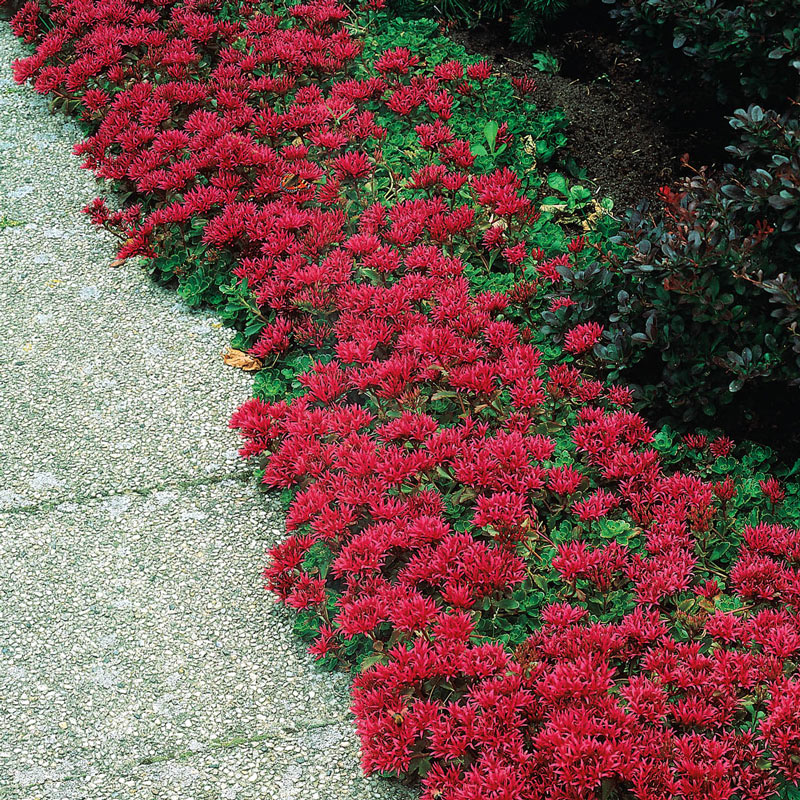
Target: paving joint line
(237, 741)
(213, 746)
(242, 476)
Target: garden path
(139, 655)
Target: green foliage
(545, 62)
(742, 50)
(280, 381)
(318, 559)
(526, 18)
(537, 135)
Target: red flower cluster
(443, 474)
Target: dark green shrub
(702, 296)
(526, 18)
(743, 50)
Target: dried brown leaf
(241, 360)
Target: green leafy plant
(741, 50)
(700, 297)
(526, 18)
(545, 62)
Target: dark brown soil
(623, 129)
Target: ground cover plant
(539, 595)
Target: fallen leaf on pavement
(241, 360)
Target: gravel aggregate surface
(140, 656)
(93, 350)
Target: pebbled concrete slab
(139, 655)
(137, 641)
(261, 769)
(95, 357)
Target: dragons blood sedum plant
(542, 597)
